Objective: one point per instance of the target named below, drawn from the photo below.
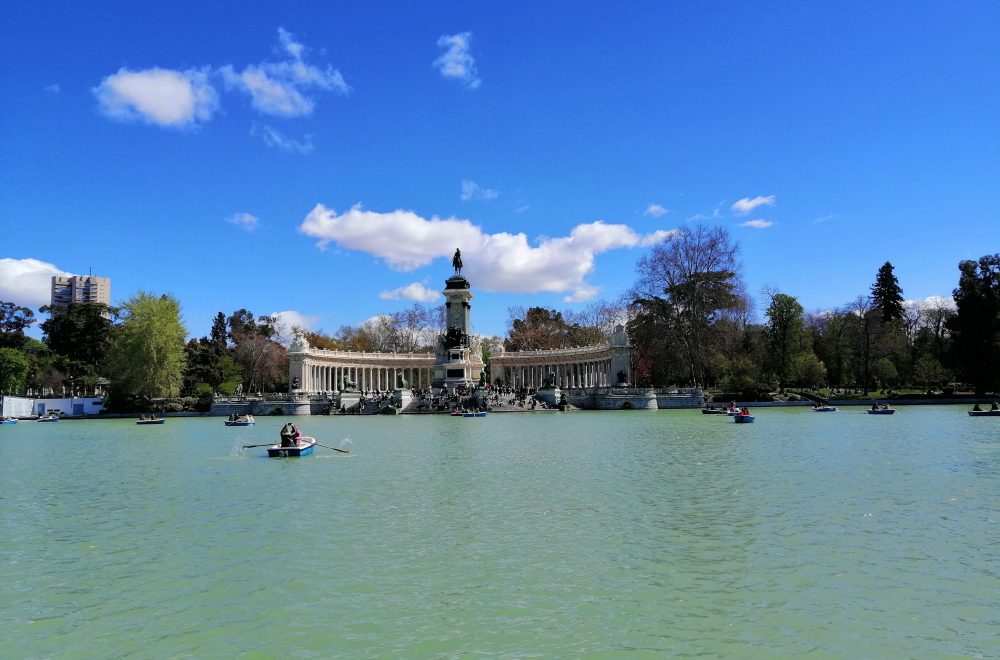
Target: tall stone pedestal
(550, 395)
(402, 397)
(347, 400)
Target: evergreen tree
(887, 296)
(786, 338)
(81, 332)
(975, 329)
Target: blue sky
(325, 160)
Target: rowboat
(881, 411)
(246, 420)
(474, 414)
(743, 419)
(825, 409)
(714, 411)
(984, 413)
(8, 420)
(48, 418)
(304, 448)
(150, 421)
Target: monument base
(550, 395)
(347, 401)
(402, 397)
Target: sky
(323, 161)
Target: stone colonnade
(572, 367)
(321, 370)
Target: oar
(342, 451)
(269, 444)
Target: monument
(458, 364)
(549, 392)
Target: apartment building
(80, 289)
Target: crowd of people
(460, 399)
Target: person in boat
(875, 406)
(142, 418)
(287, 435)
(994, 406)
(976, 408)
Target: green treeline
(138, 355)
(689, 317)
(691, 321)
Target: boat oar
(268, 444)
(343, 451)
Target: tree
(317, 339)
(218, 335)
(415, 331)
(887, 296)
(831, 341)
(865, 325)
(207, 365)
(930, 372)
(539, 328)
(685, 286)
(147, 357)
(82, 332)
(263, 361)
(13, 371)
(808, 370)
(14, 320)
(975, 328)
(785, 335)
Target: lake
(550, 534)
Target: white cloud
(456, 62)
(823, 218)
(521, 209)
(27, 282)
(716, 214)
(288, 320)
(288, 43)
(472, 190)
(158, 96)
(496, 262)
(244, 221)
(54, 89)
(745, 205)
(415, 291)
(658, 236)
(278, 88)
(582, 294)
(932, 302)
(655, 210)
(757, 224)
(275, 138)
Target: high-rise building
(80, 289)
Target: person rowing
(290, 435)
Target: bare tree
(685, 285)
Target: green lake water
(648, 534)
